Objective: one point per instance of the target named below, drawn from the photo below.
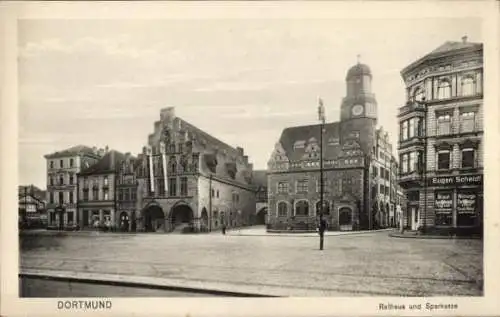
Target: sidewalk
(261, 232)
(417, 235)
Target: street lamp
(322, 224)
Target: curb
(304, 235)
(115, 281)
(403, 236)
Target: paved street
(351, 265)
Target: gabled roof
(305, 133)
(109, 163)
(446, 48)
(31, 190)
(75, 150)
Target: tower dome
(359, 70)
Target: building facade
(126, 191)
(32, 210)
(97, 204)
(349, 147)
(259, 179)
(62, 169)
(187, 180)
(441, 132)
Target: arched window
(282, 209)
(302, 208)
(444, 89)
(326, 207)
(418, 94)
(468, 86)
(172, 165)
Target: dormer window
(299, 145)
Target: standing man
(322, 228)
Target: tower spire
(358, 57)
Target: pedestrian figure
(224, 228)
(322, 228)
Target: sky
(103, 82)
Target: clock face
(357, 110)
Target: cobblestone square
(369, 264)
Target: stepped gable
(75, 150)
(305, 134)
(109, 163)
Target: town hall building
(350, 149)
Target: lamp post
(322, 224)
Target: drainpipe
(210, 203)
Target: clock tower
(359, 101)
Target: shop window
(468, 158)
(467, 122)
(443, 206)
(302, 208)
(52, 217)
(466, 208)
(443, 160)
(444, 124)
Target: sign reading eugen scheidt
(456, 180)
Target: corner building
(349, 155)
(189, 181)
(441, 133)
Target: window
(85, 194)
(61, 163)
(51, 198)
(374, 171)
(282, 187)
(217, 193)
(444, 124)
(325, 186)
(61, 197)
(404, 164)
(95, 193)
(133, 194)
(443, 160)
(120, 194)
(326, 207)
(418, 95)
(71, 201)
(52, 217)
(71, 162)
(404, 130)
(171, 148)
(106, 194)
(61, 180)
(172, 165)
(172, 187)
(468, 86)
(302, 208)
(126, 194)
(51, 164)
(184, 186)
(468, 158)
(382, 190)
(51, 181)
(213, 192)
(282, 209)
(161, 187)
(105, 181)
(444, 89)
(467, 121)
(466, 208)
(181, 147)
(443, 206)
(302, 186)
(70, 218)
(382, 174)
(413, 162)
(71, 179)
(411, 130)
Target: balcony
(411, 106)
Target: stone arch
(345, 218)
(181, 212)
(262, 216)
(326, 210)
(301, 207)
(154, 218)
(204, 218)
(284, 205)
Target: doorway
(154, 219)
(414, 212)
(345, 219)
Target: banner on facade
(163, 151)
(466, 203)
(456, 180)
(149, 153)
(443, 201)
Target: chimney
(464, 39)
(240, 151)
(167, 114)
